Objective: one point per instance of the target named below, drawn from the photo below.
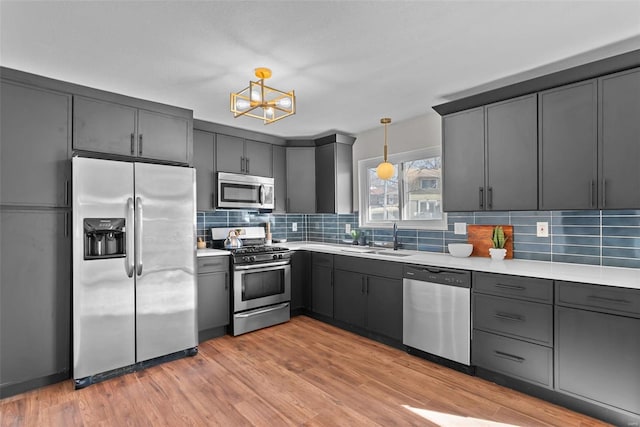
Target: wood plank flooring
(303, 372)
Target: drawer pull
(209, 265)
(609, 300)
(509, 356)
(507, 316)
(510, 287)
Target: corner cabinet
(301, 179)
(334, 174)
(619, 140)
(239, 155)
(597, 344)
(568, 147)
(213, 296)
(489, 157)
(122, 130)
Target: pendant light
(261, 101)
(385, 170)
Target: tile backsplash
(595, 237)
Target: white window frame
(363, 191)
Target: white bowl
(460, 250)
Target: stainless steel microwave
(244, 191)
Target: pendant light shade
(385, 170)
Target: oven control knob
(280, 256)
(252, 258)
(275, 256)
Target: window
(412, 197)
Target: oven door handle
(263, 311)
(265, 266)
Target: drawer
(372, 267)
(607, 299)
(319, 258)
(210, 264)
(519, 359)
(520, 319)
(528, 288)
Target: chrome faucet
(395, 236)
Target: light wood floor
(303, 372)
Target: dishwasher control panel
(445, 276)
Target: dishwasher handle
(444, 276)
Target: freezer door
(103, 293)
(165, 260)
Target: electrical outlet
(294, 226)
(347, 228)
(459, 228)
(542, 229)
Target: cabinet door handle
(481, 197)
(510, 287)
(490, 198)
(241, 164)
(133, 142)
(366, 286)
(140, 145)
(509, 356)
(246, 164)
(609, 300)
(508, 316)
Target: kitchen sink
(359, 250)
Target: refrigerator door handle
(129, 237)
(138, 236)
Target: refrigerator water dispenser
(104, 238)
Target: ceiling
(349, 62)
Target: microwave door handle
(129, 264)
(262, 191)
(138, 235)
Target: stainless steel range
(261, 281)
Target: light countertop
(609, 276)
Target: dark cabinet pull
(509, 356)
(510, 287)
(246, 165)
(481, 197)
(133, 141)
(366, 286)
(490, 198)
(241, 164)
(609, 300)
(140, 145)
(507, 316)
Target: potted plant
(498, 241)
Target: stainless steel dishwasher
(437, 312)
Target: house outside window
(412, 197)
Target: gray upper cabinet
(35, 144)
(568, 147)
(280, 178)
(334, 178)
(512, 147)
(238, 155)
(490, 157)
(463, 158)
(117, 129)
(35, 299)
(619, 149)
(301, 179)
(203, 160)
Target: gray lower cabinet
(619, 134)
(35, 144)
(112, 128)
(213, 296)
(300, 281)
(280, 178)
(369, 301)
(490, 157)
(513, 326)
(35, 299)
(301, 179)
(322, 284)
(203, 161)
(568, 147)
(597, 344)
(239, 155)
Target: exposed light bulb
(269, 111)
(242, 104)
(285, 102)
(255, 95)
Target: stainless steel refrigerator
(134, 283)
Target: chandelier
(263, 102)
(385, 170)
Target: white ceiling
(350, 62)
